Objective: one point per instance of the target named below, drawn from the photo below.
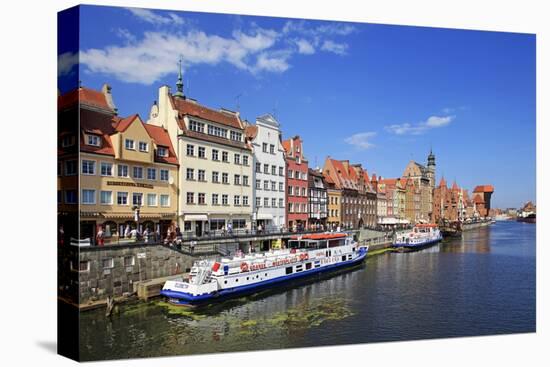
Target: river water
(480, 284)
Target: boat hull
(417, 246)
(186, 299)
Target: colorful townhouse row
(207, 170)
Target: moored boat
(419, 236)
(211, 281)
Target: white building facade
(215, 173)
(269, 173)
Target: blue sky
(374, 94)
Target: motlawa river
(480, 284)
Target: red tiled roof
(455, 187)
(123, 123)
(86, 96)
(187, 107)
(161, 137)
(251, 131)
(98, 124)
(286, 146)
(484, 188)
(442, 182)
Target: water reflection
(481, 284)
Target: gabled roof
(123, 124)
(442, 183)
(251, 131)
(192, 108)
(86, 97)
(455, 187)
(484, 188)
(161, 138)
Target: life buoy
(303, 257)
(244, 267)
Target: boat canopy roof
(319, 236)
(426, 225)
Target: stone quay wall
(116, 270)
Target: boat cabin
(317, 241)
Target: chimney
(106, 90)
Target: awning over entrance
(265, 216)
(196, 217)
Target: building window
(215, 177)
(281, 186)
(266, 185)
(273, 186)
(202, 198)
(258, 202)
(273, 202)
(129, 261)
(93, 140)
(245, 200)
(290, 173)
(273, 170)
(217, 224)
(151, 174)
(215, 155)
(201, 175)
(70, 197)
(281, 203)
(164, 175)
(225, 178)
(258, 185)
(304, 191)
(122, 170)
(190, 174)
(196, 126)
(281, 171)
(71, 168)
(239, 223)
(137, 198)
(245, 160)
(106, 198)
(108, 263)
(290, 190)
(202, 152)
(236, 200)
(217, 131)
(143, 146)
(225, 157)
(224, 199)
(290, 208)
(68, 141)
(258, 167)
(266, 168)
(245, 180)
(214, 199)
(164, 200)
(88, 167)
(151, 199)
(236, 136)
(237, 179)
(190, 150)
(190, 197)
(296, 175)
(264, 147)
(162, 152)
(122, 198)
(88, 196)
(138, 172)
(266, 202)
(84, 266)
(271, 148)
(237, 159)
(129, 144)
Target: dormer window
(67, 141)
(93, 140)
(236, 136)
(196, 126)
(143, 146)
(129, 144)
(162, 152)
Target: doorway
(198, 228)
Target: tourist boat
(419, 236)
(210, 281)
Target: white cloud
(361, 140)
(153, 55)
(305, 47)
(420, 128)
(337, 48)
(272, 61)
(66, 62)
(150, 16)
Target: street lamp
(136, 209)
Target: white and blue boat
(212, 281)
(420, 236)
